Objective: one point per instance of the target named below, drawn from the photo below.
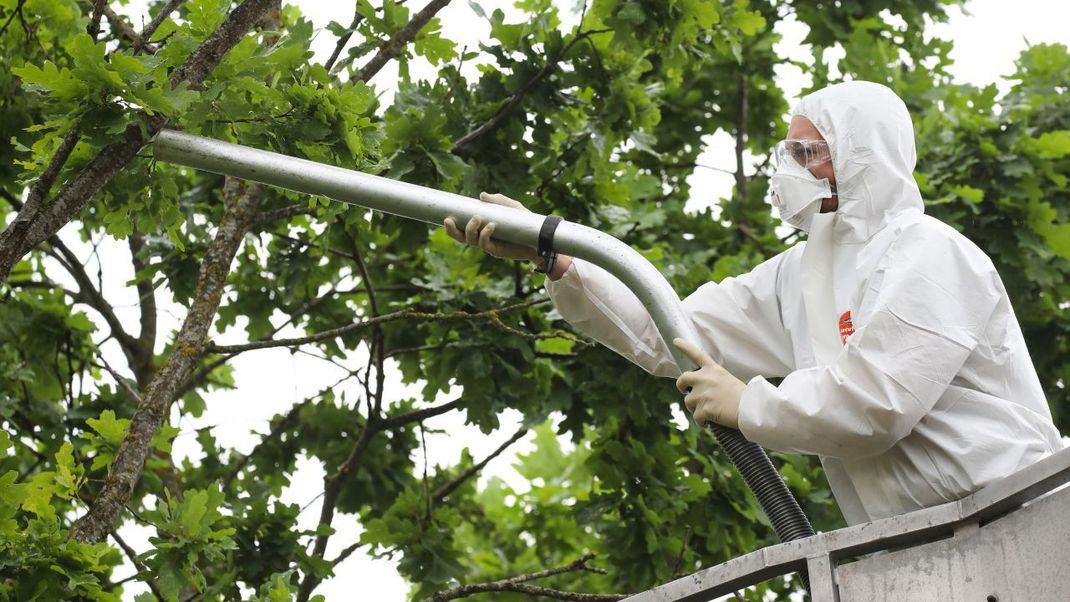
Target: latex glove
(478, 234)
(712, 394)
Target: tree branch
(403, 314)
(436, 346)
(146, 293)
(131, 553)
(446, 489)
(401, 420)
(202, 373)
(42, 284)
(313, 245)
(538, 336)
(741, 135)
(91, 296)
(333, 482)
(198, 377)
(362, 267)
(39, 223)
(676, 574)
(709, 167)
(29, 211)
(120, 26)
(167, 472)
(400, 40)
(240, 207)
(516, 97)
(139, 42)
(119, 380)
(170, 7)
(274, 215)
(343, 40)
(373, 425)
(208, 55)
(517, 584)
(332, 487)
(93, 29)
(14, 13)
(346, 553)
(41, 187)
(563, 162)
(378, 351)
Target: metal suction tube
(513, 225)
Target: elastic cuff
(751, 409)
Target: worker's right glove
(712, 393)
(478, 234)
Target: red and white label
(847, 328)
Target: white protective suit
(903, 364)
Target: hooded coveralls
(903, 365)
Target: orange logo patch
(846, 327)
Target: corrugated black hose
(779, 505)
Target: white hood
(871, 139)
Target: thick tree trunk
(241, 206)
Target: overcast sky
(986, 42)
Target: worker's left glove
(478, 233)
(712, 394)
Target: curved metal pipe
(513, 225)
(433, 206)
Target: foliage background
(601, 122)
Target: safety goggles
(806, 153)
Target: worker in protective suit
(903, 365)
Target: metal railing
(1009, 541)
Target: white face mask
(797, 194)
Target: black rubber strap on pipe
(546, 235)
(545, 250)
(780, 506)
